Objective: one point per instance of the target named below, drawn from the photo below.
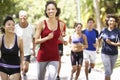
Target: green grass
(118, 62)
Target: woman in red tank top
(47, 34)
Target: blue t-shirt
(114, 36)
(91, 38)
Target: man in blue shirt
(90, 52)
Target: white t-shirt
(27, 34)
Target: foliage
(109, 7)
(7, 7)
(35, 9)
(87, 10)
(68, 13)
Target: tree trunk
(97, 14)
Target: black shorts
(60, 46)
(9, 71)
(27, 58)
(76, 58)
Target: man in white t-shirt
(26, 31)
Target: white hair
(22, 12)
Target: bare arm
(69, 40)
(64, 30)
(33, 42)
(112, 43)
(21, 52)
(85, 45)
(38, 39)
(62, 25)
(33, 46)
(98, 45)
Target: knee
(78, 70)
(86, 63)
(74, 69)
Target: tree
(97, 12)
(7, 7)
(97, 9)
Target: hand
(95, 45)
(33, 52)
(63, 34)
(65, 42)
(50, 35)
(108, 41)
(33, 59)
(80, 44)
(97, 51)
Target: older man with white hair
(26, 31)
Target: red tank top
(49, 49)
